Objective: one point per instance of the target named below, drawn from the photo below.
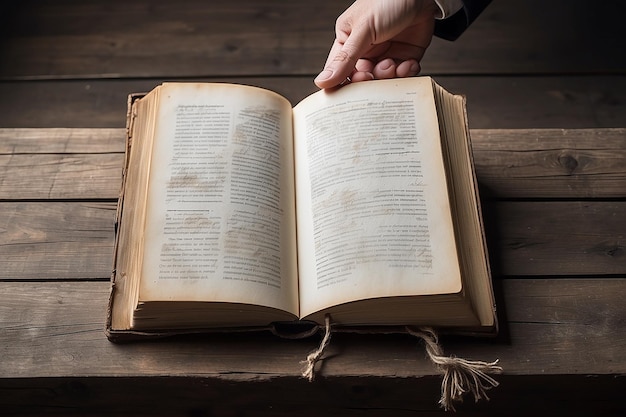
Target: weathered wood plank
(61, 141)
(559, 238)
(517, 396)
(562, 344)
(58, 163)
(519, 163)
(551, 163)
(103, 103)
(561, 102)
(194, 38)
(59, 240)
(191, 38)
(552, 327)
(515, 102)
(56, 240)
(60, 176)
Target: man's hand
(379, 39)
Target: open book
(238, 211)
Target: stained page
(372, 206)
(220, 223)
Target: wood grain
(61, 141)
(84, 176)
(61, 240)
(494, 102)
(143, 38)
(357, 396)
(510, 163)
(554, 327)
(540, 78)
(559, 238)
(551, 163)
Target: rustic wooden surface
(71, 63)
(559, 271)
(547, 107)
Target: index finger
(342, 59)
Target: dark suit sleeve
(452, 27)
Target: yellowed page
(373, 213)
(221, 218)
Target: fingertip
(385, 69)
(362, 76)
(330, 78)
(409, 68)
(342, 60)
(323, 78)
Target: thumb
(342, 60)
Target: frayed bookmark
(316, 355)
(459, 375)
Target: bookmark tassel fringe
(316, 355)
(459, 375)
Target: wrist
(430, 7)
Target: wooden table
(555, 203)
(555, 210)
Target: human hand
(379, 39)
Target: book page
(373, 210)
(220, 223)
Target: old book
(239, 211)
